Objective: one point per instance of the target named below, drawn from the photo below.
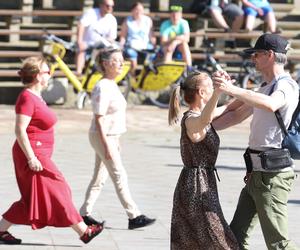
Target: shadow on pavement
(176, 147)
(230, 168)
(121, 229)
(232, 148)
(294, 202)
(217, 166)
(163, 146)
(53, 245)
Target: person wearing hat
(265, 195)
(175, 36)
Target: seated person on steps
(262, 9)
(175, 36)
(94, 24)
(226, 15)
(136, 34)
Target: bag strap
(281, 123)
(278, 115)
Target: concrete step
(295, 44)
(45, 25)
(289, 25)
(18, 45)
(283, 7)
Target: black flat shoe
(7, 238)
(140, 221)
(89, 220)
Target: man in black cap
(265, 195)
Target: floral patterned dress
(197, 218)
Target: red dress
(45, 196)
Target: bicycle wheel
(250, 81)
(125, 86)
(160, 98)
(244, 81)
(83, 100)
(157, 81)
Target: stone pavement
(152, 159)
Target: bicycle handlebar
(146, 51)
(68, 45)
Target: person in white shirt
(264, 198)
(94, 24)
(108, 123)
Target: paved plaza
(150, 151)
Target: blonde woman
(197, 217)
(108, 124)
(136, 34)
(45, 196)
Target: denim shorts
(230, 11)
(176, 55)
(132, 53)
(265, 6)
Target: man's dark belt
(253, 151)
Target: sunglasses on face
(109, 5)
(45, 72)
(260, 52)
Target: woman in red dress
(45, 196)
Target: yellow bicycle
(54, 49)
(157, 79)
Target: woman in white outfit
(108, 123)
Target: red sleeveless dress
(46, 198)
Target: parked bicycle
(156, 79)
(209, 64)
(248, 77)
(54, 49)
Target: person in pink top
(46, 198)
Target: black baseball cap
(270, 42)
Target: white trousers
(103, 168)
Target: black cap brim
(250, 51)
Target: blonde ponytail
(190, 88)
(174, 106)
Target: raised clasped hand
(222, 80)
